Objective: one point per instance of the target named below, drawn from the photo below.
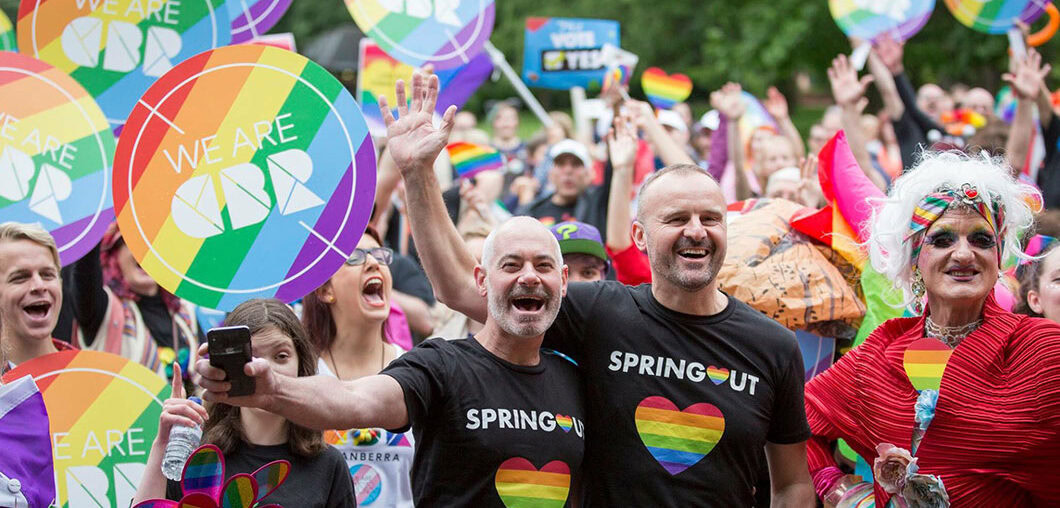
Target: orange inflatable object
(1042, 36)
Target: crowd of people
(556, 330)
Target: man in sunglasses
(496, 419)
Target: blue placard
(561, 53)
(817, 352)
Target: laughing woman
(346, 320)
(962, 404)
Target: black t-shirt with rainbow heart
(681, 405)
(488, 432)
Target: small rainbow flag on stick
(470, 159)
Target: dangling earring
(918, 291)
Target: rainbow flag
(470, 159)
(521, 485)
(843, 224)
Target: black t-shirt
(490, 433)
(683, 404)
(1049, 176)
(550, 213)
(319, 482)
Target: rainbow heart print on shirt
(117, 48)
(925, 361)
(717, 375)
(446, 34)
(103, 413)
(245, 172)
(665, 90)
(678, 439)
(521, 485)
(55, 155)
(995, 16)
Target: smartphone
(229, 348)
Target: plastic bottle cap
(195, 400)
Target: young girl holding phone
(250, 438)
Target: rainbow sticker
(470, 159)
(103, 411)
(717, 375)
(925, 361)
(664, 90)
(7, 34)
(55, 155)
(868, 19)
(521, 485)
(245, 172)
(995, 16)
(678, 439)
(252, 18)
(446, 34)
(117, 48)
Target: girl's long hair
(224, 428)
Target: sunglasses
(381, 254)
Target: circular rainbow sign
(995, 16)
(868, 19)
(446, 33)
(245, 172)
(103, 412)
(55, 155)
(7, 34)
(252, 18)
(117, 48)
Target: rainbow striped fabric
(521, 485)
(678, 439)
(470, 159)
(925, 361)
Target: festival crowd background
(936, 92)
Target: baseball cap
(572, 147)
(671, 119)
(710, 120)
(579, 238)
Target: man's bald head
(519, 227)
(979, 100)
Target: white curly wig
(891, 254)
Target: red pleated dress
(995, 438)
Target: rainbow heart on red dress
(564, 422)
(521, 485)
(925, 361)
(678, 439)
(664, 90)
(717, 375)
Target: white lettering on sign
(18, 170)
(444, 10)
(894, 9)
(196, 211)
(572, 60)
(89, 486)
(573, 40)
(83, 36)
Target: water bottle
(182, 441)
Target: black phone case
(232, 363)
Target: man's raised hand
(413, 139)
